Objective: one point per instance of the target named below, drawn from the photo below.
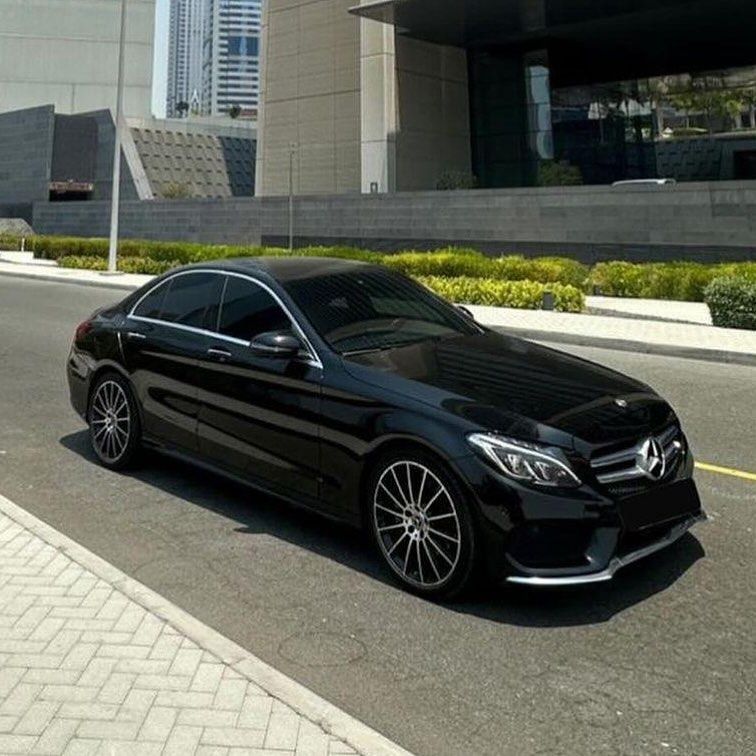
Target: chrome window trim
(312, 358)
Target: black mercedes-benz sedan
(353, 390)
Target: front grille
(622, 473)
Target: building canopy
(587, 40)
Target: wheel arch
(396, 443)
(103, 368)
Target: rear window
(151, 305)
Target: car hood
(512, 386)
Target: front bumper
(535, 537)
(617, 562)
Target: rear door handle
(219, 354)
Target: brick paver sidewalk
(87, 669)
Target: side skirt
(306, 503)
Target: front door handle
(135, 335)
(219, 354)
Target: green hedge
(671, 280)
(684, 281)
(449, 261)
(483, 291)
(133, 264)
(732, 302)
(526, 295)
(472, 264)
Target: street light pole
(292, 147)
(116, 198)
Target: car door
(259, 415)
(163, 341)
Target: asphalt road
(662, 660)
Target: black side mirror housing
(282, 345)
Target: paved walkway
(92, 662)
(648, 325)
(650, 336)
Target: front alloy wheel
(113, 422)
(422, 526)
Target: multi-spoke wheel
(113, 422)
(422, 525)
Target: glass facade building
(232, 57)
(568, 92)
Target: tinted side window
(248, 310)
(193, 300)
(151, 305)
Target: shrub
(144, 265)
(472, 264)
(545, 269)
(176, 190)
(451, 180)
(520, 294)
(684, 281)
(83, 262)
(443, 263)
(558, 173)
(732, 302)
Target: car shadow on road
(512, 605)
(588, 604)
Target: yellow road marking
(726, 471)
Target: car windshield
(369, 309)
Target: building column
(378, 107)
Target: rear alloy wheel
(113, 422)
(422, 525)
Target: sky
(160, 76)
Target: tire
(114, 427)
(422, 524)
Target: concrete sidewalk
(678, 329)
(628, 334)
(92, 662)
(650, 309)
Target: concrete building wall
(65, 53)
(228, 221)
(708, 222)
(26, 151)
(370, 110)
(311, 94)
(433, 123)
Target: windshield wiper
(370, 350)
(392, 345)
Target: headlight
(540, 465)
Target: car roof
(285, 269)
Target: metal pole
(291, 199)
(113, 251)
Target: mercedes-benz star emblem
(651, 460)
(621, 403)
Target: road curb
(626, 345)
(105, 283)
(333, 720)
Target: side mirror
(282, 345)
